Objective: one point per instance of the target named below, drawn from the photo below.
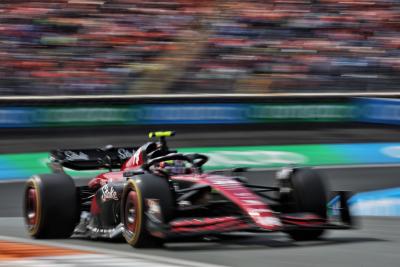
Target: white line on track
(152, 258)
(86, 260)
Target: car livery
(151, 194)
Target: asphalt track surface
(375, 243)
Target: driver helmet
(173, 167)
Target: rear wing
(90, 159)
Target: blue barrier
(378, 110)
(17, 117)
(185, 113)
(374, 110)
(194, 114)
(376, 203)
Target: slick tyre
(135, 209)
(50, 206)
(308, 195)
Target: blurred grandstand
(85, 47)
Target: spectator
(110, 46)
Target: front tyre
(308, 195)
(50, 207)
(135, 209)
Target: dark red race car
(151, 194)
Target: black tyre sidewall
(309, 195)
(309, 192)
(147, 186)
(58, 205)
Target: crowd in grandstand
(222, 46)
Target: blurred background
(87, 47)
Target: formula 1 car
(151, 194)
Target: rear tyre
(50, 207)
(134, 206)
(308, 195)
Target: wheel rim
(31, 212)
(131, 211)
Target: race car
(151, 194)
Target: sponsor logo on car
(71, 155)
(154, 209)
(271, 221)
(124, 153)
(108, 193)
